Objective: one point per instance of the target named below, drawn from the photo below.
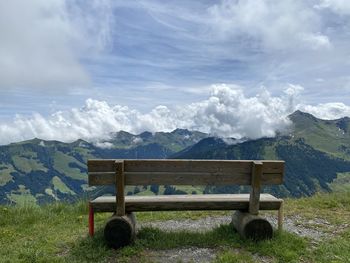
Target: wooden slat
(280, 217)
(164, 165)
(101, 165)
(185, 202)
(120, 184)
(101, 178)
(255, 189)
(163, 178)
(184, 172)
(180, 166)
(169, 178)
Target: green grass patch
(341, 183)
(5, 174)
(335, 250)
(334, 207)
(22, 197)
(58, 233)
(61, 164)
(28, 164)
(61, 186)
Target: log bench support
(120, 228)
(251, 226)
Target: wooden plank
(185, 202)
(101, 178)
(166, 165)
(186, 172)
(120, 183)
(257, 172)
(280, 217)
(101, 165)
(195, 166)
(169, 178)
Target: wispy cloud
(168, 52)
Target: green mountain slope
(307, 170)
(330, 136)
(316, 153)
(40, 171)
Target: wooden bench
(120, 229)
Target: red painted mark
(91, 221)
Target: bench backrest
(184, 172)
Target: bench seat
(185, 202)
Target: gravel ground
(296, 224)
(199, 225)
(313, 229)
(192, 254)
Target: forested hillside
(317, 155)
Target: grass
(334, 207)
(6, 174)
(22, 197)
(28, 164)
(61, 186)
(341, 183)
(58, 233)
(61, 164)
(336, 250)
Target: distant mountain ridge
(38, 171)
(315, 151)
(44, 171)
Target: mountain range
(317, 155)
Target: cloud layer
(42, 42)
(278, 25)
(227, 112)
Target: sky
(82, 69)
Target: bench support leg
(280, 217)
(252, 226)
(120, 230)
(91, 221)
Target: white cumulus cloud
(227, 112)
(328, 111)
(42, 42)
(341, 7)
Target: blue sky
(54, 55)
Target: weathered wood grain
(255, 187)
(185, 202)
(280, 217)
(185, 172)
(120, 184)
